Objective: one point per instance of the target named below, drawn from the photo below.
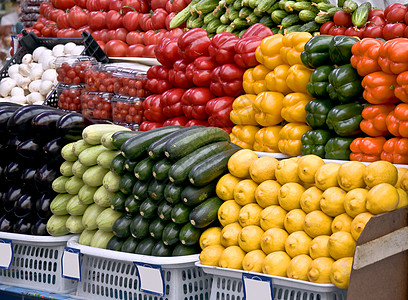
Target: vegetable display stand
(107, 274)
(37, 263)
(227, 284)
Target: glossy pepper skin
(401, 90)
(317, 111)
(243, 112)
(340, 49)
(254, 80)
(397, 121)
(319, 81)
(244, 135)
(245, 51)
(179, 121)
(171, 102)
(367, 149)
(293, 109)
(345, 119)
(226, 80)
(365, 56)
(194, 43)
(338, 148)
(316, 52)
(293, 45)
(344, 84)
(374, 119)
(177, 75)
(222, 48)
(158, 79)
(199, 71)
(298, 78)
(268, 52)
(379, 88)
(268, 107)
(218, 110)
(393, 58)
(153, 109)
(267, 139)
(395, 150)
(148, 125)
(290, 138)
(313, 142)
(194, 122)
(258, 30)
(276, 80)
(194, 101)
(167, 52)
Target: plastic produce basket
(107, 274)
(227, 284)
(37, 263)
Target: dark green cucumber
(118, 165)
(121, 227)
(146, 246)
(156, 228)
(182, 250)
(211, 168)
(118, 202)
(160, 249)
(164, 211)
(189, 235)
(136, 146)
(193, 195)
(172, 192)
(126, 183)
(156, 188)
(189, 141)
(161, 169)
(132, 205)
(130, 165)
(115, 243)
(205, 213)
(129, 245)
(148, 208)
(118, 138)
(143, 169)
(178, 172)
(290, 20)
(139, 190)
(139, 227)
(180, 213)
(171, 234)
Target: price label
(14, 43)
(257, 287)
(150, 279)
(6, 254)
(71, 263)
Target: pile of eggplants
(31, 139)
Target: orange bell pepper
(393, 58)
(397, 121)
(243, 112)
(367, 149)
(267, 139)
(401, 90)
(365, 56)
(290, 138)
(244, 135)
(379, 88)
(374, 116)
(395, 150)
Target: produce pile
(29, 12)
(298, 217)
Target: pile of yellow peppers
(270, 117)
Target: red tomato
(120, 34)
(116, 48)
(395, 13)
(135, 50)
(324, 29)
(376, 21)
(115, 5)
(110, 35)
(97, 20)
(38, 26)
(145, 22)
(46, 31)
(353, 31)
(406, 32)
(392, 31)
(84, 28)
(159, 18)
(44, 7)
(77, 18)
(131, 21)
(54, 14)
(135, 37)
(175, 6)
(42, 20)
(174, 33)
(374, 32)
(342, 18)
(337, 30)
(80, 3)
(153, 38)
(141, 6)
(63, 4)
(113, 19)
(66, 33)
(375, 12)
(149, 51)
(55, 31)
(406, 18)
(62, 21)
(103, 35)
(97, 5)
(155, 4)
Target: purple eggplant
(19, 122)
(6, 223)
(13, 171)
(27, 177)
(24, 205)
(42, 205)
(5, 113)
(13, 194)
(30, 149)
(24, 225)
(45, 123)
(71, 125)
(39, 228)
(44, 177)
(52, 149)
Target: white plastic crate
(37, 263)
(227, 285)
(107, 274)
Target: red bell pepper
(379, 88)
(177, 76)
(219, 110)
(167, 52)
(374, 116)
(153, 110)
(222, 48)
(401, 90)
(367, 149)
(194, 101)
(171, 102)
(199, 71)
(245, 52)
(393, 58)
(158, 79)
(365, 56)
(194, 43)
(226, 80)
(395, 150)
(397, 120)
(179, 121)
(195, 122)
(258, 30)
(147, 125)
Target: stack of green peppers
(335, 113)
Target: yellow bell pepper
(244, 135)
(248, 81)
(267, 139)
(268, 52)
(259, 73)
(276, 80)
(268, 106)
(293, 45)
(290, 136)
(294, 107)
(243, 112)
(298, 78)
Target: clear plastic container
(72, 69)
(69, 96)
(99, 78)
(97, 106)
(127, 111)
(130, 82)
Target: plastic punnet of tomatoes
(97, 106)
(69, 96)
(99, 78)
(71, 69)
(127, 111)
(130, 82)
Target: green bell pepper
(340, 49)
(316, 112)
(316, 52)
(313, 142)
(318, 82)
(344, 84)
(345, 119)
(338, 148)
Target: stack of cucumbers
(167, 188)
